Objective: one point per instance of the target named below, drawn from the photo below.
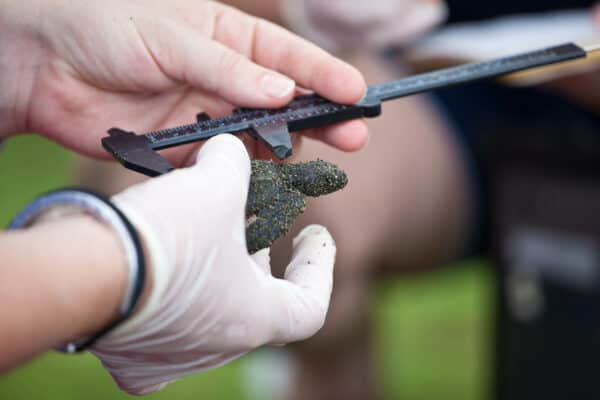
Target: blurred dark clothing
(531, 155)
(486, 108)
(481, 112)
(482, 109)
(462, 11)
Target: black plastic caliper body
(273, 126)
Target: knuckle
(231, 63)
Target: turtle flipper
(265, 186)
(274, 221)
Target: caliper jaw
(276, 137)
(135, 153)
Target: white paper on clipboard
(503, 36)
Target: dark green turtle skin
(277, 196)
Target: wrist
(76, 267)
(157, 275)
(61, 205)
(113, 279)
(20, 54)
(102, 268)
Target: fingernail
(277, 86)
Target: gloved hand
(210, 302)
(349, 24)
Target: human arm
(55, 287)
(71, 70)
(209, 301)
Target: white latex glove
(210, 301)
(350, 24)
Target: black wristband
(104, 210)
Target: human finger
(302, 297)
(191, 58)
(347, 136)
(275, 48)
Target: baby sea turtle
(277, 196)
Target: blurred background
(508, 171)
(432, 332)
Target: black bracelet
(104, 210)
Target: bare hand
(71, 70)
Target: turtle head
(316, 178)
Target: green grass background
(432, 331)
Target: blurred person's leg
(104, 176)
(406, 205)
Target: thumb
(303, 296)
(223, 165)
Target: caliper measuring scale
(273, 126)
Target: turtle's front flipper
(265, 186)
(274, 221)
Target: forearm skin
(59, 281)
